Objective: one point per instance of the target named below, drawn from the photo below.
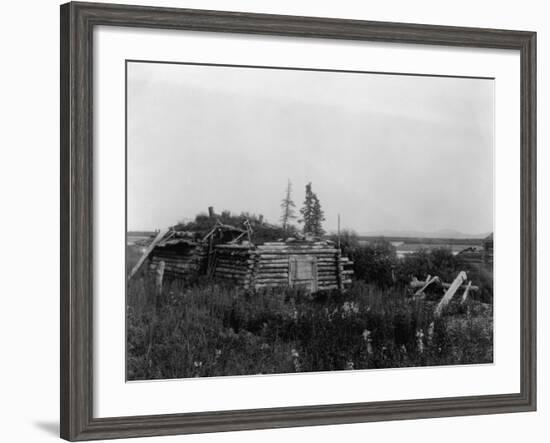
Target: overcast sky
(387, 152)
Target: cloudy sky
(387, 152)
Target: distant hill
(442, 233)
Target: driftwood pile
(450, 289)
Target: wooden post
(159, 275)
(209, 267)
(338, 231)
(211, 211)
(340, 270)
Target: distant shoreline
(425, 240)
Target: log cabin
(313, 265)
(228, 254)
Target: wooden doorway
(302, 272)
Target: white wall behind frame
(29, 183)
(113, 397)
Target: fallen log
(419, 284)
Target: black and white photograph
(284, 220)
(229, 221)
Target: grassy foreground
(208, 329)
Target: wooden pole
(338, 231)
(159, 275)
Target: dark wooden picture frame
(77, 23)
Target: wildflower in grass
(349, 308)
(295, 360)
(367, 337)
(420, 340)
(431, 332)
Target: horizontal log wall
(181, 261)
(265, 266)
(271, 267)
(233, 263)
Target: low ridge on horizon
(440, 233)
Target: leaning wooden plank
(420, 283)
(471, 288)
(156, 240)
(466, 292)
(461, 278)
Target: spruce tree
(318, 217)
(312, 214)
(287, 206)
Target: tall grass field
(204, 328)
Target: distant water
(403, 249)
(132, 239)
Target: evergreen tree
(318, 217)
(307, 210)
(312, 214)
(287, 206)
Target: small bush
(374, 263)
(420, 264)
